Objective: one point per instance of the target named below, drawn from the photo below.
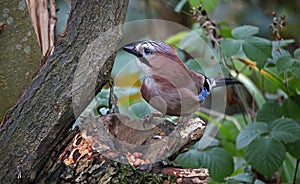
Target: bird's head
(153, 55)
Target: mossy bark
(20, 52)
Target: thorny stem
(277, 25)
(211, 28)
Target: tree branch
(108, 144)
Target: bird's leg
(149, 119)
(113, 100)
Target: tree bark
(20, 52)
(35, 127)
(37, 145)
(103, 148)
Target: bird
(169, 86)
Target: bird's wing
(199, 80)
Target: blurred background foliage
(257, 138)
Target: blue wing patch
(204, 93)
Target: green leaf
(189, 159)
(269, 112)
(291, 107)
(251, 132)
(230, 46)
(282, 43)
(284, 63)
(230, 147)
(257, 181)
(208, 5)
(265, 154)
(257, 49)
(214, 159)
(195, 3)
(286, 130)
(296, 69)
(297, 53)
(287, 169)
(176, 38)
(294, 149)
(243, 177)
(194, 65)
(140, 109)
(272, 75)
(240, 178)
(231, 130)
(180, 5)
(244, 31)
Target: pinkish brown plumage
(169, 86)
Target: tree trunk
(37, 145)
(44, 114)
(20, 53)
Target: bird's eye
(147, 51)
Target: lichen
(18, 46)
(10, 20)
(27, 49)
(5, 12)
(22, 5)
(24, 39)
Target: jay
(169, 86)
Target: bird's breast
(168, 98)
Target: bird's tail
(223, 81)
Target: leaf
(269, 112)
(296, 69)
(194, 65)
(230, 46)
(278, 52)
(282, 43)
(243, 177)
(251, 132)
(140, 109)
(294, 149)
(257, 181)
(189, 159)
(265, 154)
(231, 130)
(214, 159)
(284, 63)
(271, 74)
(257, 49)
(176, 38)
(208, 5)
(244, 31)
(180, 5)
(230, 147)
(297, 53)
(291, 107)
(286, 130)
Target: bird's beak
(132, 50)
